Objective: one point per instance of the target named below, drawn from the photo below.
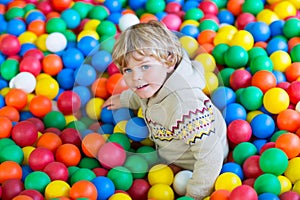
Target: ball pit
(56, 141)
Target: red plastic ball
(266, 146)
(264, 80)
(209, 7)
(240, 78)
(112, 68)
(243, 19)
(60, 5)
(288, 120)
(11, 188)
(111, 154)
(31, 64)
(68, 102)
(39, 124)
(173, 7)
(249, 181)
(283, 85)
(139, 189)
(36, 53)
(289, 195)
(24, 133)
(71, 136)
(243, 192)
(57, 171)
(239, 131)
(34, 194)
(10, 45)
(99, 171)
(294, 92)
(39, 158)
(251, 167)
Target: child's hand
(113, 102)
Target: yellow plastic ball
(93, 108)
(140, 113)
(212, 82)
(292, 172)
(281, 60)
(190, 44)
(120, 127)
(161, 191)
(285, 184)
(224, 34)
(91, 24)
(207, 60)
(272, 1)
(4, 91)
(252, 114)
(189, 22)
(296, 187)
(227, 181)
(120, 196)
(147, 142)
(296, 3)
(276, 100)
(41, 42)
(91, 33)
(70, 118)
(57, 188)
(27, 37)
(27, 151)
(47, 87)
(242, 38)
(160, 174)
(267, 16)
(285, 9)
(42, 75)
(29, 98)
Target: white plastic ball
(128, 20)
(180, 181)
(24, 81)
(56, 42)
(297, 108)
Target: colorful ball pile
(56, 71)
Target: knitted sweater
(187, 129)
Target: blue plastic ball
(3, 83)
(234, 111)
(2, 101)
(263, 126)
(280, 76)
(71, 18)
(226, 17)
(259, 143)
(106, 116)
(276, 28)
(259, 30)
(87, 44)
(72, 58)
(35, 15)
(101, 60)
(65, 78)
(26, 170)
(122, 114)
(3, 27)
(223, 96)
(85, 75)
(114, 17)
(104, 186)
(136, 129)
(268, 196)
(137, 4)
(84, 94)
(106, 129)
(160, 15)
(190, 30)
(234, 168)
(16, 27)
(275, 44)
(190, 4)
(113, 5)
(25, 47)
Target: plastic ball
(10, 45)
(82, 189)
(128, 20)
(137, 164)
(243, 151)
(93, 108)
(289, 143)
(149, 154)
(116, 84)
(87, 44)
(56, 42)
(16, 98)
(243, 191)
(91, 144)
(9, 69)
(82, 174)
(292, 72)
(105, 187)
(190, 44)
(139, 189)
(7, 126)
(160, 174)
(293, 91)
(136, 129)
(68, 154)
(11, 188)
(173, 22)
(267, 183)
(257, 100)
(268, 195)
(57, 188)
(16, 27)
(10, 170)
(243, 39)
(101, 60)
(285, 183)
(50, 141)
(281, 60)
(239, 60)
(56, 171)
(10, 112)
(40, 105)
(111, 154)
(276, 44)
(212, 82)
(289, 120)
(34, 194)
(24, 81)
(264, 80)
(180, 181)
(261, 63)
(121, 177)
(54, 119)
(263, 126)
(161, 191)
(240, 78)
(72, 58)
(289, 195)
(223, 96)
(259, 30)
(24, 133)
(239, 131)
(284, 10)
(85, 75)
(47, 86)
(234, 111)
(227, 181)
(68, 102)
(251, 167)
(39, 158)
(234, 168)
(219, 194)
(276, 100)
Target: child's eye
(126, 70)
(144, 67)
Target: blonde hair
(147, 39)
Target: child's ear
(170, 69)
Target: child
(185, 126)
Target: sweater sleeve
(130, 100)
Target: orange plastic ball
(264, 80)
(293, 42)
(69, 154)
(288, 120)
(10, 112)
(235, 6)
(22, 197)
(49, 141)
(84, 189)
(147, 17)
(52, 64)
(6, 126)
(40, 105)
(261, 44)
(16, 3)
(220, 195)
(99, 88)
(60, 5)
(206, 36)
(10, 170)
(289, 143)
(38, 27)
(292, 72)
(116, 84)
(91, 144)
(16, 98)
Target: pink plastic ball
(139, 189)
(251, 167)
(294, 92)
(111, 155)
(57, 171)
(70, 135)
(243, 19)
(34, 194)
(24, 133)
(38, 123)
(10, 45)
(172, 21)
(208, 7)
(11, 188)
(31, 64)
(239, 131)
(112, 69)
(35, 53)
(240, 78)
(40, 158)
(243, 192)
(68, 102)
(173, 7)
(289, 195)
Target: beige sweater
(187, 129)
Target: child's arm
(126, 99)
(113, 102)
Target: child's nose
(137, 75)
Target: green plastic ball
(13, 153)
(236, 57)
(273, 161)
(55, 119)
(106, 28)
(208, 24)
(295, 53)
(218, 53)
(137, 165)
(149, 153)
(252, 6)
(82, 174)
(121, 177)
(291, 28)
(82, 8)
(220, 3)
(9, 69)
(277, 134)
(98, 12)
(4, 142)
(121, 139)
(194, 14)
(89, 163)
(251, 98)
(261, 63)
(267, 183)
(224, 76)
(37, 180)
(70, 35)
(256, 51)
(56, 25)
(14, 12)
(242, 151)
(155, 6)
(78, 125)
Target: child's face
(145, 75)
